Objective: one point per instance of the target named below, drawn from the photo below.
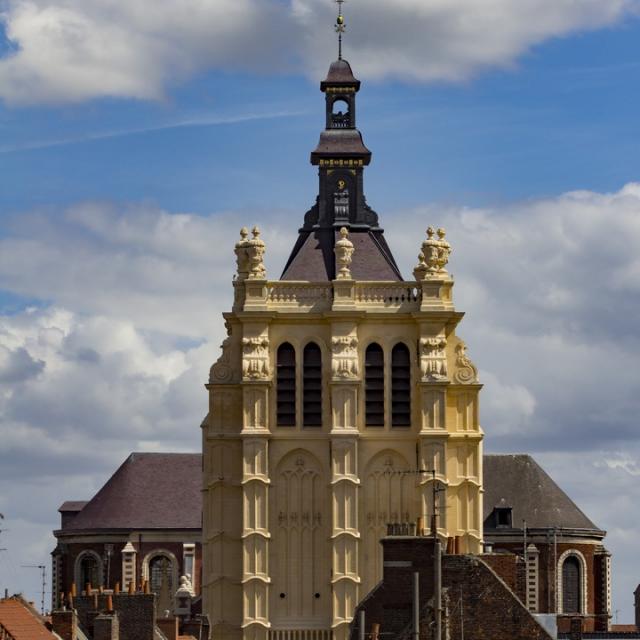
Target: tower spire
(340, 27)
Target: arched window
(312, 386)
(340, 114)
(400, 386)
(571, 588)
(374, 386)
(161, 581)
(89, 571)
(286, 385)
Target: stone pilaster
(345, 481)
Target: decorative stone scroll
(344, 252)
(344, 363)
(434, 255)
(222, 370)
(255, 358)
(433, 358)
(255, 251)
(466, 371)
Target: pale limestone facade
(293, 515)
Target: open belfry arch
(341, 396)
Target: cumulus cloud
(73, 50)
(165, 272)
(115, 358)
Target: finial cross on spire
(340, 27)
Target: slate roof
(21, 621)
(148, 491)
(340, 74)
(163, 491)
(73, 505)
(519, 482)
(313, 258)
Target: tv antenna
(43, 570)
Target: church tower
(343, 408)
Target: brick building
(147, 503)
(474, 601)
(143, 525)
(568, 570)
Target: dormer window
(503, 517)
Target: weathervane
(340, 27)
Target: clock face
(341, 185)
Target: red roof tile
(21, 621)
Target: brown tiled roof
(313, 258)
(21, 621)
(623, 628)
(148, 491)
(73, 505)
(337, 143)
(519, 482)
(340, 74)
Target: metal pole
(434, 515)
(555, 567)
(416, 605)
(437, 587)
(362, 622)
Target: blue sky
(134, 143)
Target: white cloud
(117, 360)
(74, 50)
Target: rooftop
(519, 482)
(148, 491)
(21, 621)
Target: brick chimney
(168, 626)
(65, 623)
(106, 627)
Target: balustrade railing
(300, 295)
(388, 294)
(300, 634)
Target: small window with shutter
(286, 385)
(400, 386)
(374, 386)
(312, 385)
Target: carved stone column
(256, 370)
(345, 480)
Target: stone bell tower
(343, 397)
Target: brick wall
(596, 617)
(136, 614)
(474, 596)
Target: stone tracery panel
(389, 496)
(299, 529)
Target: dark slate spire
(340, 157)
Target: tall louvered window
(400, 386)
(89, 571)
(374, 386)
(312, 385)
(571, 585)
(286, 385)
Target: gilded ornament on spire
(340, 27)
(255, 250)
(344, 252)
